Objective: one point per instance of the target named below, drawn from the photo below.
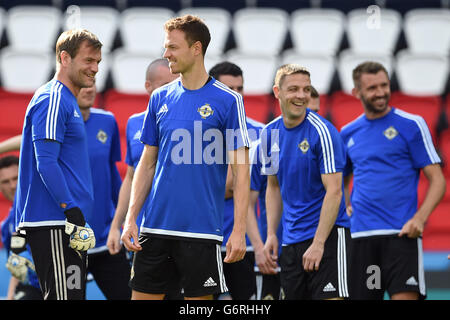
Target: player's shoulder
(52, 94)
(136, 119)
(353, 125)
(167, 88)
(251, 123)
(274, 124)
(102, 113)
(319, 123)
(220, 89)
(406, 118)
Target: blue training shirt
(386, 156)
(53, 114)
(193, 130)
(104, 150)
(298, 157)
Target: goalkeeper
(54, 190)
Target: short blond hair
(288, 69)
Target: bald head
(158, 74)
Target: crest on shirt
(390, 133)
(102, 136)
(205, 111)
(304, 146)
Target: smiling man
(304, 187)
(54, 191)
(386, 150)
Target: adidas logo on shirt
(329, 288)
(163, 109)
(350, 143)
(412, 281)
(137, 135)
(275, 148)
(75, 114)
(210, 283)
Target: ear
(276, 91)
(148, 86)
(355, 93)
(197, 45)
(65, 58)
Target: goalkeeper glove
(82, 237)
(18, 266)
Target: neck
(63, 78)
(375, 115)
(85, 112)
(293, 122)
(195, 78)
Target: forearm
(434, 195)
(328, 215)
(124, 200)
(241, 196)
(274, 206)
(252, 224)
(11, 144)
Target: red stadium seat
(258, 107)
(344, 108)
(13, 107)
(124, 105)
(427, 107)
(436, 235)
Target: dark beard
(371, 108)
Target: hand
(271, 250)
(236, 247)
(130, 237)
(413, 228)
(349, 210)
(264, 261)
(113, 241)
(312, 257)
(18, 266)
(82, 237)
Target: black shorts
(241, 278)
(197, 263)
(386, 263)
(61, 270)
(330, 281)
(268, 286)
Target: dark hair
(8, 161)
(71, 41)
(367, 67)
(193, 27)
(225, 68)
(314, 93)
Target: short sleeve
(236, 125)
(150, 135)
(330, 150)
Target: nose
(166, 54)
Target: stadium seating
(102, 21)
(348, 60)
(12, 108)
(421, 74)
(219, 24)
(321, 67)
(2, 21)
(374, 34)
(428, 30)
(24, 71)
(33, 28)
(344, 108)
(128, 70)
(317, 31)
(259, 71)
(260, 31)
(141, 29)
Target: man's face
(374, 92)
(180, 55)
(161, 77)
(294, 95)
(314, 104)
(84, 66)
(232, 82)
(86, 97)
(8, 181)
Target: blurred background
(411, 38)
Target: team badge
(205, 111)
(390, 133)
(102, 136)
(304, 146)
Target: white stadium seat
(260, 31)
(317, 30)
(102, 21)
(128, 70)
(25, 71)
(33, 28)
(103, 71)
(2, 21)
(142, 29)
(374, 34)
(258, 70)
(349, 59)
(218, 21)
(421, 74)
(428, 30)
(321, 68)
(212, 60)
